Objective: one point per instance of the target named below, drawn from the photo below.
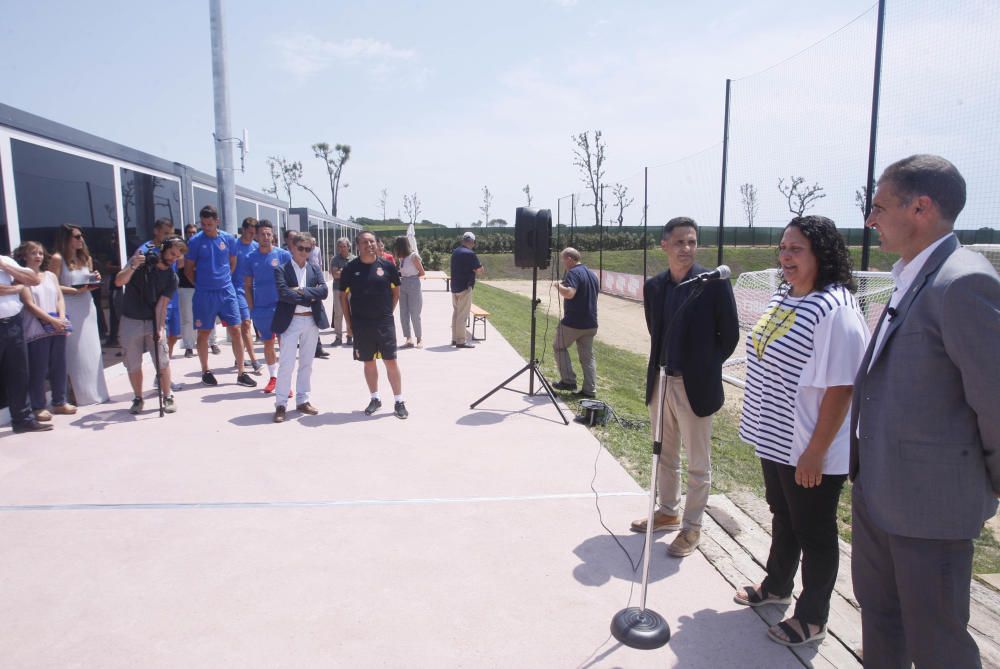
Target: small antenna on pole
(244, 150)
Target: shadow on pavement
(602, 559)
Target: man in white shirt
(13, 349)
(925, 430)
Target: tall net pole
(725, 156)
(866, 235)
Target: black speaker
(532, 237)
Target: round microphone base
(644, 629)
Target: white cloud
(307, 55)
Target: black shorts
(374, 339)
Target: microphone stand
(639, 627)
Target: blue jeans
(47, 361)
(14, 368)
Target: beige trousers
(681, 427)
(461, 304)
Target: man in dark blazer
(298, 318)
(703, 328)
(925, 426)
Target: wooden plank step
(739, 568)
(984, 619)
(844, 622)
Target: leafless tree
(485, 206)
(383, 197)
(622, 201)
(334, 160)
(751, 203)
(801, 198)
(411, 205)
(284, 175)
(860, 195)
(527, 192)
(588, 156)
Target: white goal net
(753, 291)
(991, 251)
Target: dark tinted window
(267, 213)
(146, 198)
(4, 233)
(244, 209)
(203, 196)
(55, 188)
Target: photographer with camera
(150, 283)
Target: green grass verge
(739, 258)
(621, 382)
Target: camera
(152, 257)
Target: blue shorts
(241, 299)
(207, 304)
(173, 321)
(262, 319)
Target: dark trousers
(914, 596)
(47, 361)
(14, 368)
(804, 523)
(102, 324)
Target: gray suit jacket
(928, 458)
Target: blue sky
(437, 98)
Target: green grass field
(621, 383)
(739, 258)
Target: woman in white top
(75, 269)
(411, 300)
(801, 360)
(45, 329)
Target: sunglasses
(307, 249)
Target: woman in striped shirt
(802, 357)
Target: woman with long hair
(45, 330)
(84, 364)
(802, 356)
(411, 300)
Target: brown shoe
(307, 408)
(279, 414)
(42, 415)
(64, 409)
(685, 543)
(661, 521)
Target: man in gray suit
(925, 426)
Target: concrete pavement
(457, 538)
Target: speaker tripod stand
(532, 367)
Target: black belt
(674, 372)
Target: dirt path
(621, 322)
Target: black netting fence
(799, 136)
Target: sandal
(758, 597)
(795, 639)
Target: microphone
(720, 272)
(891, 312)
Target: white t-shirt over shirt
(800, 347)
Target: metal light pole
(223, 134)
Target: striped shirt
(799, 347)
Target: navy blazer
(709, 332)
(291, 301)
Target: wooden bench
(439, 274)
(478, 315)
